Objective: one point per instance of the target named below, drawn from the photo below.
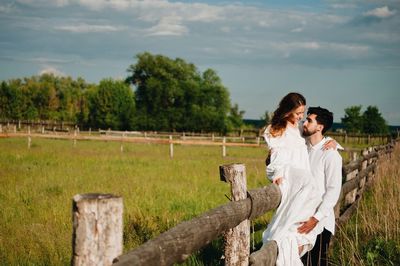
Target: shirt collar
(317, 146)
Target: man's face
(310, 126)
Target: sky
(336, 53)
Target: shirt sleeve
(333, 184)
(275, 168)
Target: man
(326, 167)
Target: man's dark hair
(324, 117)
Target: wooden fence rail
(178, 243)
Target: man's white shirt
(326, 167)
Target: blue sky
(337, 53)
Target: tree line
(159, 93)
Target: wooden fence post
(97, 229)
(223, 147)
(237, 239)
(122, 142)
(1, 128)
(171, 147)
(29, 137)
(90, 131)
(15, 129)
(75, 137)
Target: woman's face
(297, 114)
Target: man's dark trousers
(318, 255)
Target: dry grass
(372, 237)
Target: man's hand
(306, 227)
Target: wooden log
(97, 229)
(178, 243)
(237, 239)
(266, 256)
(353, 183)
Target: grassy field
(372, 236)
(37, 186)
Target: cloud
(168, 26)
(86, 28)
(343, 6)
(51, 70)
(6, 8)
(297, 30)
(380, 12)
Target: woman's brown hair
(280, 117)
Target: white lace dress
(289, 160)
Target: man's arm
(333, 184)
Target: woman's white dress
(289, 160)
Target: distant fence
(170, 138)
(98, 221)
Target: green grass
(37, 186)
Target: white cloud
(297, 30)
(167, 26)
(86, 28)
(6, 8)
(380, 12)
(226, 29)
(343, 6)
(59, 3)
(51, 70)
(386, 37)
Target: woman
(290, 170)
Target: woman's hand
(277, 181)
(330, 144)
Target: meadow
(37, 186)
(372, 236)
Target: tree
(236, 117)
(112, 105)
(174, 95)
(352, 120)
(373, 122)
(266, 117)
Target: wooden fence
(169, 138)
(230, 220)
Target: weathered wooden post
(171, 147)
(122, 142)
(15, 129)
(1, 128)
(237, 239)
(97, 229)
(258, 141)
(223, 147)
(42, 129)
(29, 137)
(212, 137)
(75, 137)
(90, 131)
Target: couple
(309, 176)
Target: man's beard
(307, 133)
